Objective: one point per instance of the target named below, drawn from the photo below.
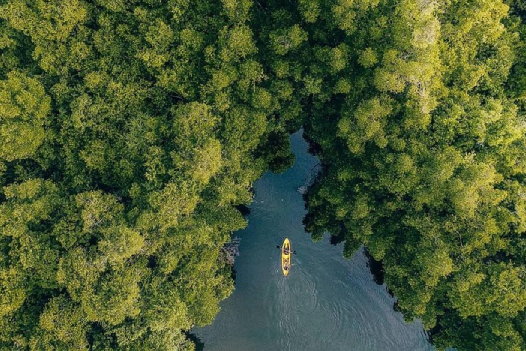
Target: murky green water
(327, 303)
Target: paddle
(279, 247)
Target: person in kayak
(286, 251)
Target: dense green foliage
(131, 130)
(420, 128)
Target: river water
(327, 303)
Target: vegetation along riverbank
(131, 133)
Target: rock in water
(302, 189)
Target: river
(327, 303)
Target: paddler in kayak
(293, 252)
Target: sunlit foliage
(420, 128)
(130, 131)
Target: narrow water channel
(327, 303)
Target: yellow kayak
(286, 253)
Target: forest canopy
(132, 131)
(424, 159)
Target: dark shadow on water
(396, 307)
(233, 275)
(337, 239)
(376, 268)
(244, 209)
(199, 345)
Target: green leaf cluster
(130, 132)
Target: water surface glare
(327, 303)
